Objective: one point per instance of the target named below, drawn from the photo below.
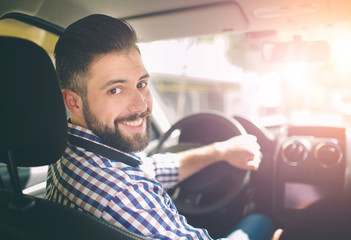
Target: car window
(226, 72)
(14, 28)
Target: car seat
(34, 133)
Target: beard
(113, 137)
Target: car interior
(288, 84)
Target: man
(105, 88)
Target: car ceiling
(163, 19)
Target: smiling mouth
(135, 123)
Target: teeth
(134, 123)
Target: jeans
(253, 227)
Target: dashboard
(312, 163)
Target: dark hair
(83, 41)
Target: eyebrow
(114, 81)
(111, 82)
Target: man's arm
(241, 151)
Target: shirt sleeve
(149, 211)
(164, 167)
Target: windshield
(227, 73)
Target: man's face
(119, 103)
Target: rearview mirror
(296, 51)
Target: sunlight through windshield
(227, 73)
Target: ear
(73, 102)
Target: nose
(137, 102)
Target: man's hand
(241, 151)
(277, 234)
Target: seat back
(34, 133)
(33, 122)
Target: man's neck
(78, 121)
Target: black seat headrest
(33, 116)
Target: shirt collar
(83, 132)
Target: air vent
(293, 152)
(328, 154)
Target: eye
(142, 85)
(115, 91)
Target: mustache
(133, 117)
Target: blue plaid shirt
(131, 197)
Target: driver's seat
(34, 133)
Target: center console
(311, 163)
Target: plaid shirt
(132, 197)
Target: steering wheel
(216, 185)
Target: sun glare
(341, 53)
